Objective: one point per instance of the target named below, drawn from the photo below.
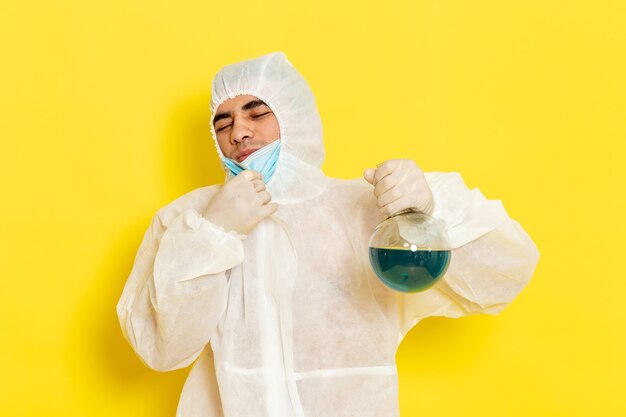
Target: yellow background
(104, 119)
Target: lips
(243, 155)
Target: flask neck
(407, 211)
(426, 211)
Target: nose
(241, 131)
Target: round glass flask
(409, 251)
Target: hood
(273, 79)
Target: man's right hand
(241, 203)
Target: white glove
(241, 203)
(399, 184)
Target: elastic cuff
(220, 229)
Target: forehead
(235, 103)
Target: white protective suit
(290, 320)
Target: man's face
(244, 124)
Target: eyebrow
(248, 106)
(252, 104)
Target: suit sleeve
(177, 290)
(492, 260)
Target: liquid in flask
(406, 270)
(409, 251)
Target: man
(265, 282)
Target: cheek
(275, 129)
(224, 145)
(268, 131)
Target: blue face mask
(263, 160)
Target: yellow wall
(103, 119)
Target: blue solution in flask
(409, 251)
(406, 270)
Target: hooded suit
(290, 320)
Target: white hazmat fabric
(290, 320)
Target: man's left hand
(399, 184)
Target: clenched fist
(399, 184)
(241, 203)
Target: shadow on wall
(458, 344)
(96, 347)
(190, 159)
(124, 366)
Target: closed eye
(224, 127)
(258, 116)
